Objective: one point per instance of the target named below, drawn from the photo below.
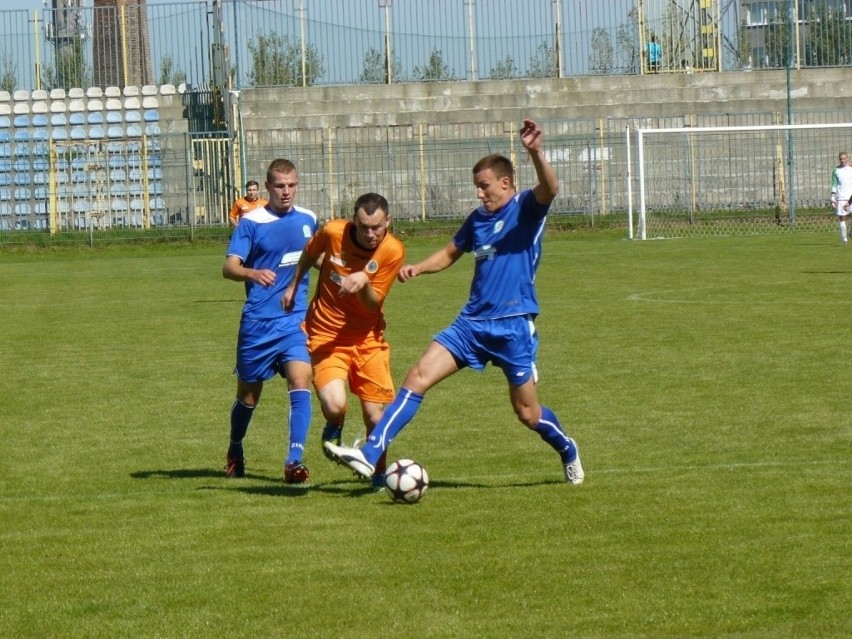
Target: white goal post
(734, 180)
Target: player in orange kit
(345, 322)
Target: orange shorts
(365, 366)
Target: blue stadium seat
(5, 179)
(40, 149)
(5, 122)
(22, 135)
(62, 164)
(22, 164)
(95, 117)
(151, 115)
(77, 118)
(133, 174)
(134, 131)
(132, 116)
(118, 175)
(23, 208)
(40, 120)
(21, 121)
(5, 166)
(113, 117)
(5, 149)
(81, 190)
(118, 190)
(78, 163)
(41, 164)
(58, 119)
(40, 177)
(134, 160)
(115, 132)
(117, 162)
(5, 194)
(22, 179)
(78, 133)
(96, 133)
(22, 150)
(41, 193)
(115, 147)
(152, 128)
(59, 134)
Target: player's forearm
(547, 180)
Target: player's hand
(833, 201)
(264, 277)
(407, 272)
(354, 282)
(288, 298)
(531, 135)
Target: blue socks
(551, 431)
(397, 414)
(240, 419)
(300, 422)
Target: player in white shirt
(841, 192)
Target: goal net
(736, 180)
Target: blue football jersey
(265, 239)
(506, 247)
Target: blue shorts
(264, 346)
(510, 343)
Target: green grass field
(706, 381)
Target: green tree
(743, 45)
(375, 71)
(9, 75)
(627, 42)
(275, 61)
(543, 62)
(828, 37)
(777, 40)
(505, 69)
(600, 57)
(169, 73)
(434, 70)
(70, 68)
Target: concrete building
(122, 51)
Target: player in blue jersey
(263, 253)
(497, 324)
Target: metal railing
(241, 43)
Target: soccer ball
(406, 481)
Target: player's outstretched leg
(295, 472)
(240, 419)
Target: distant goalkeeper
(841, 193)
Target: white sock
(843, 230)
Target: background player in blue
(497, 324)
(263, 253)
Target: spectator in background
(251, 200)
(654, 54)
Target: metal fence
(241, 43)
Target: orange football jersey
(343, 318)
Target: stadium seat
(41, 149)
(57, 93)
(5, 180)
(40, 119)
(167, 89)
(113, 117)
(115, 147)
(77, 118)
(5, 195)
(76, 106)
(132, 116)
(22, 135)
(112, 92)
(94, 92)
(22, 180)
(58, 119)
(150, 102)
(77, 133)
(59, 134)
(5, 110)
(40, 193)
(21, 108)
(131, 90)
(5, 148)
(58, 106)
(5, 96)
(96, 133)
(152, 129)
(116, 162)
(5, 122)
(134, 160)
(118, 175)
(115, 132)
(22, 164)
(113, 104)
(95, 117)
(132, 103)
(40, 164)
(5, 165)
(39, 107)
(20, 95)
(23, 208)
(134, 174)
(134, 131)
(21, 121)
(149, 89)
(38, 94)
(151, 115)
(94, 105)
(76, 93)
